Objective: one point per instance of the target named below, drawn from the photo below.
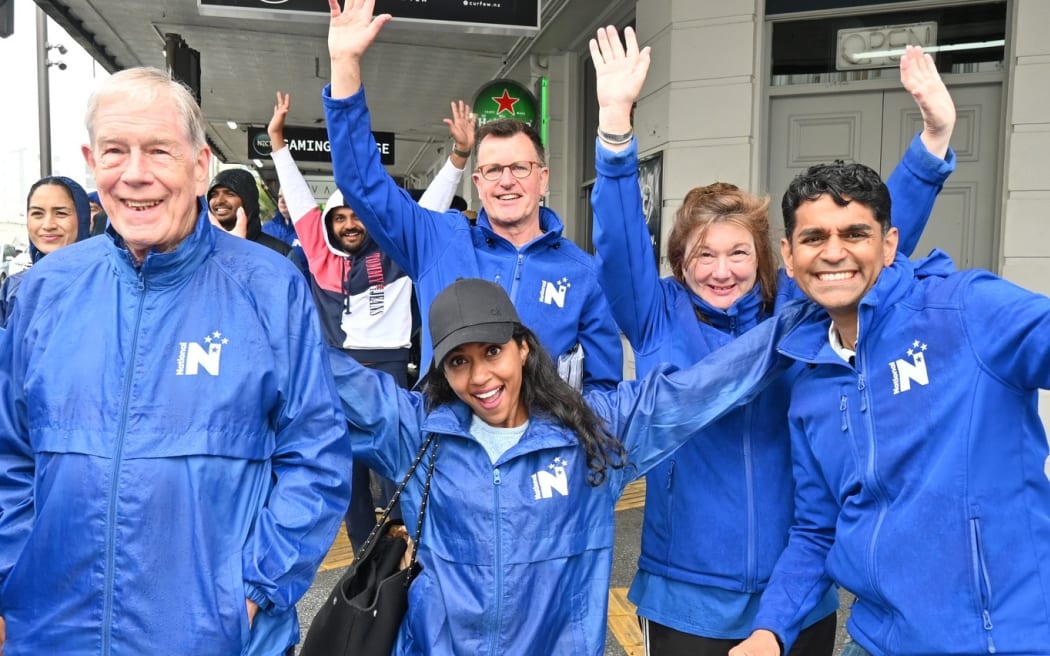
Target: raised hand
(239, 229)
(275, 128)
(461, 126)
(351, 31)
(620, 72)
(920, 78)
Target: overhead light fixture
(231, 124)
(976, 45)
(258, 163)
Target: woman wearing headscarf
(58, 213)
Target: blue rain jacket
(170, 444)
(922, 471)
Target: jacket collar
(808, 341)
(543, 433)
(163, 269)
(550, 226)
(741, 316)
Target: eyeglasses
(519, 170)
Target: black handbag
(363, 612)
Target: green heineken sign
(505, 99)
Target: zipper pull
(496, 477)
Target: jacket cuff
(353, 99)
(927, 166)
(616, 164)
(256, 595)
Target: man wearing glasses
(516, 242)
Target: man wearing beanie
(234, 189)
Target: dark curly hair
(543, 392)
(843, 183)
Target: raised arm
(920, 78)
(442, 188)
(627, 269)
(410, 235)
(297, 194)
(351, 31)
(658, 413)
(916, 181)
(385, 419)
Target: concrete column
(1026, 178)
(699, 102)
(1026, 220)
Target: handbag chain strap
(422, 509)
(377, 529)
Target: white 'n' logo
(193, 357)
(545, 484)
(905, 373)
(553, 293)
(197, 357)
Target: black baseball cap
(470, 310)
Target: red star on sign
(506, 103)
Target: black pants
(360, 516)
(815, 640)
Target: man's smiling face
(836, 254)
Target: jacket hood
(80, 202)
(334, 202)
(243, 184)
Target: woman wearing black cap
(517, 542)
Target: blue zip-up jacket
(281, 227)
(170, 444)
(922, 471)
(517, 555)
(551, 281)
(717, 512)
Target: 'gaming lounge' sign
(311, 144)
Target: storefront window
(962, 39)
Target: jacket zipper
(871, 476)
(111, 538)
(518, 264)
(981, 581)
(749, 481)
(498, 573)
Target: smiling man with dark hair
(919, 456)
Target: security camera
(62, 49)
(61, 66)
